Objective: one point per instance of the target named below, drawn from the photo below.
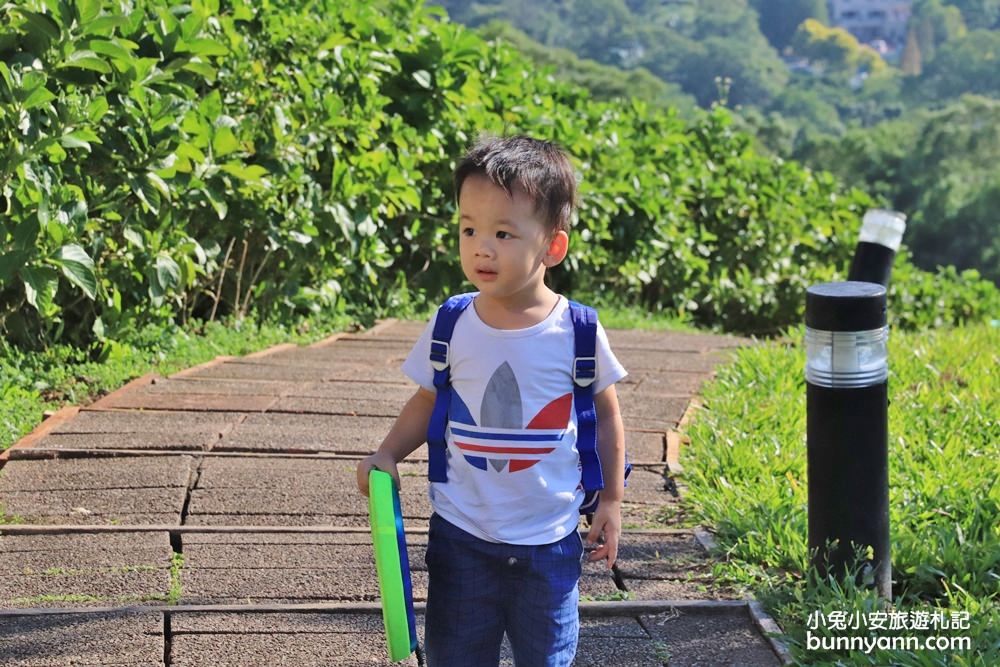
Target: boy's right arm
(408, 433)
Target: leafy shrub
(174, 161)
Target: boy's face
(505, 245)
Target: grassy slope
(747, 477)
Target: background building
(873, 20)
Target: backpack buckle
(584, 371)
(440, 355)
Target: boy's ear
(558, 247)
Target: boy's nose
(484, 249)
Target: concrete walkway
(211, 518)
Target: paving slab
(325, 552)
(700, 638)
(147, 421)
(134, 506)
(330, 500)
(636, 361)
(352, 583)
(82, 639)
(184, 623)
(95, 473)
(103, 584)
(389, 391)
(690, 586)
(251, 369)
(168, 441)
(667, 514)
(342, 353)
(294, 520)
(652, 412)
(396, 330)
(657, 383)
(341, 406)
(593, 652)
(648, 486)
(264, 640)
(277, 472)
(645, 446)
(193, 385)
(357, 639)
(598, 586)
(32, 554)
(618, 627)
(319, 433)
(36, 569)
(664, 341)
(660, 383)
(646, 556)
(143, 399)
(235, 370)
(92, 549)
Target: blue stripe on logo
(525, 437)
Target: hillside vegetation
(809, 91)
(190, 161)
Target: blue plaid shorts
(478, 590)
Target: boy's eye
(503, 235)
(468, 231)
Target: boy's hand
(607, 520)
(383, 462)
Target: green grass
(36, 382)
(176, 590)
(746, 472)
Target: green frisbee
(392, 565)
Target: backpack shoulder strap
(584, 375)
(440, 358)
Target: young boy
(504, 552)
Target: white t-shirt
(513, 465)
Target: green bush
(163, 161)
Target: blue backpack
(584, 374)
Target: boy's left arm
(611, 450)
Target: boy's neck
(518, 312)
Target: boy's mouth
(486, 274)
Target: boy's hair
(541, 168)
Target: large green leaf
(252, 173)
(112, 49)
(40, 286)
(26, 233)
(224, 142)
(10, 263)
(105, 24)
(78, 268)
(40, 25)
(168, 273)
(38, 97)
(85, 59)
(87, 10)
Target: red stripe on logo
(503, 450)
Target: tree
(979, 14)
(948, 186)
(911, 62)
(970, 64)
(779, 19)
(935, 24)
(937, 167)
(605, 82)
(835, 48)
